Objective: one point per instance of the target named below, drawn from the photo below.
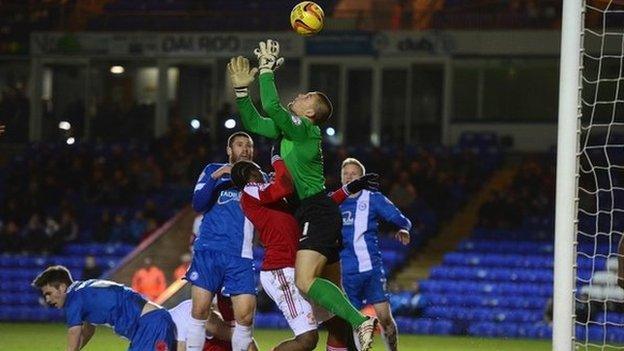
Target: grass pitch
(51, 337)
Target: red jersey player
(264, 205)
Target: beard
(237, 158)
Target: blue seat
(74, 249)
(6, 261)
(405, 324)
(611, 317)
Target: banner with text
(196, 45)
(227, 44)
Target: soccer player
(92, 302)
(222, 253)
(363, 275)
(318, 216)
(219, 325)
(265, 206)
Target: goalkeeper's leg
(340, 332)
(308, 268)
(319, 245)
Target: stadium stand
(435, 173)
(498, 283)
(20, 18)
(195, 15)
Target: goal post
(566, 189)
(589, 216)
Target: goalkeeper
(318, 216)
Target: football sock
(196, 334)
(241, 337)
(328, 295)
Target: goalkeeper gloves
(241, 75)
(369, 181)
(268, 56)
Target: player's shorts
(366, 287)
(155, 331)
(279, 284)
(218, 272)
(320, 222)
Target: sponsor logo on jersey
(296, 120)
(228, 196)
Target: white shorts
(279, 284)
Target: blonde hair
(353, 161)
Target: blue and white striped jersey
(102, 302)
(360, 217)
(224, 228)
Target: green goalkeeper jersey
(301, 143)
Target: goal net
(598, 306)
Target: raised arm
(253, 121)
(293, 127)
(241, 76)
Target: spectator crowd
(531, 194)
(52, 194)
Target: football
(307, 18)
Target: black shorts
(320, 222)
